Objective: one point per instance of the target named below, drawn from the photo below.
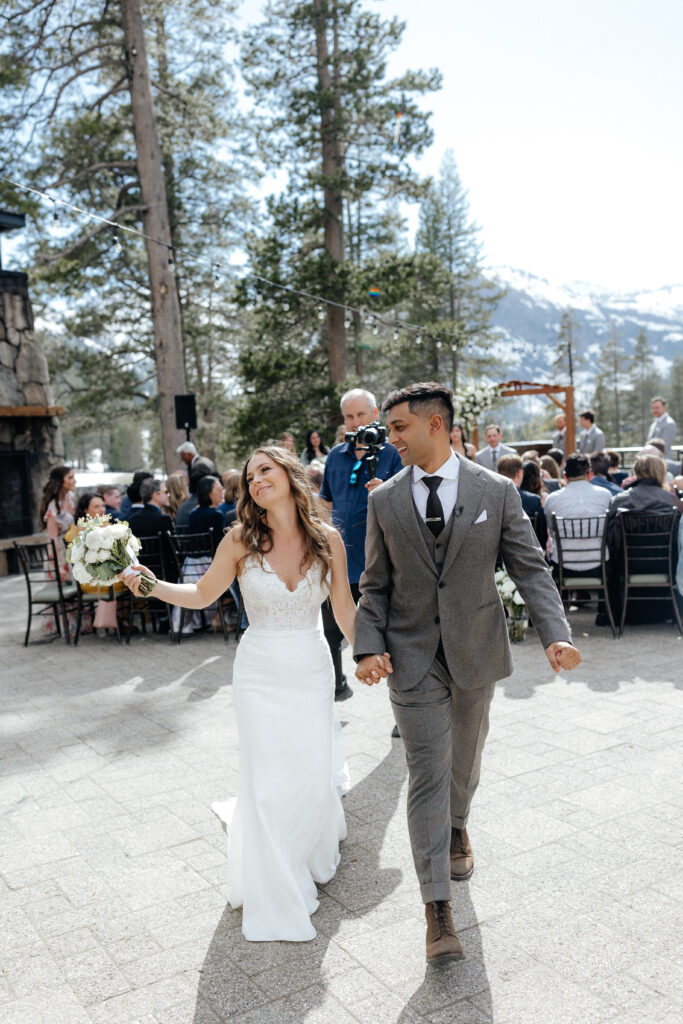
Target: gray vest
(437, 546)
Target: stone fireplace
(30, 436)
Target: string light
(373, 322)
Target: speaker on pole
(185, 413)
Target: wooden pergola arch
(520, 388)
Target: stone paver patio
(112, 867)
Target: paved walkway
(112, 867)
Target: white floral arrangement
(509, 595)
(474, 399)
(102, 549)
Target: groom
(429, 599)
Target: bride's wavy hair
(257, 535)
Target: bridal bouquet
(101, 550)
(514, 605)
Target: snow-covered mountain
(528, 318)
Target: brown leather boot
(462, 858)
(442, 942)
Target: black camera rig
(371, 437)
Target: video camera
(372, 437)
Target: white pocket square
(481, 518)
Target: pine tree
(329, 117)
(71, 107)
(610, 383)
(644, 381)
(463, 309)
(567, 358)
(675, 390)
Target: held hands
(562, 656)
(133, 580)
(373, 668)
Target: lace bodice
(270, 605)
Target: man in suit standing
(429, 599)
(591, 438)
(560, 435)
(662, 426)
(489, 456)
(197, 465)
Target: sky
(565, 121)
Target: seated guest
(105, 615)
(648, 449)
(460, 444)
(647, 494)
(599, 467)
(532, 480)
(206, 516)
(111, 496)
(315, 472)
(178, 488)
(550, 473)
(531, 455)
(231, 487)
(558, 456)
(132, 497)
(672, 467)
(512, 467)
(151, 519)
(615, 473)
(286, 440)
(578, 500)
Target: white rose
(106, 538)
(81, 574)
(92, 540)
(508, 588)
(91, 557)
(118, 530)
(134, 543)
(517, 598)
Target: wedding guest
(197, 465)
(512, 467)
(488, 457)
(315, 448)
(57, 507)
(550, 473)
(314, 474)
(560, 435)
(132, 498)
(615, 473)
(559, 457)
(231, 487)
(340, 434)
(207, 515)
(286, 440)
(532, 480)
(460, 444)
(178, 489)
(111, 496)
(90, 504)
(662, 426)
(578, 500)
(599, 468)
(591, 438)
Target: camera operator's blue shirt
(350, 501)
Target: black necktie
(494, 457)
(434, 518)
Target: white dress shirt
(447, 489)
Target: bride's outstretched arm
(208, 589)
(340, 593)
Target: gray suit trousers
(443, 728)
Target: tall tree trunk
(168, 341)
(332, 168)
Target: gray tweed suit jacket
(407, 604)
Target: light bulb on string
(321, 313)
(116, 242)
(347, 319)
(418, 340)
(396, 334)
(171, 259)
(438, 342)
(285, 306)
(375, 327)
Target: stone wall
(24, 380)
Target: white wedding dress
(285, 828)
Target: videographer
(354, 468)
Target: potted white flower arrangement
(513, 601)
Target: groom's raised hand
(373, 668)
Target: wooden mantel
(10, 411)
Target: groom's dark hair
(424, 399)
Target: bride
(284, 832)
